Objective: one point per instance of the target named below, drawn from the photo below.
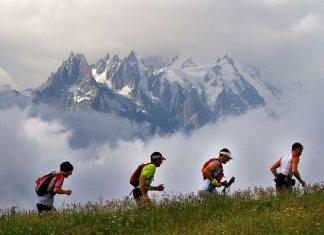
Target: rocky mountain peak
(75, 69)
(76, 57)
(134, 60)
(188, 63)
(226, 59)
(100, 66)
(178, 95)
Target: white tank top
(285, 164)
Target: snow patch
(126, 91)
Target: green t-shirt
(148, 171)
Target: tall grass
(257, 211)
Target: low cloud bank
(32, 146)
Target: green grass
(257, 211)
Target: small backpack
(220, 175)
(42, 183)
(134, 179)
(207, 163)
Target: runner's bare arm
(274, 168)
(62, 191)
(143, 188)
(294, 170)
(208, 170)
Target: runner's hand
(303, 183)
(160, 187)
(68, 192)
(225, 184)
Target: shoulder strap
(220, 171)
(221, 165)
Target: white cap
(228, 154)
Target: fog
(32, 145)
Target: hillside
(257, 211)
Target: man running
(45, 202)
(288, 166)
(140, 193)
(213, 172)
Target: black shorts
(43, 208)
(137, 193)
(284, 181)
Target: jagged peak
(75, 64)
(74, 55)
(188, 63)
(182, 62)
(227, 59)
(71, 55)
(107, 60)
(115, 58)
(133, 56)
(106, 57)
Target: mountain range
(169, 93)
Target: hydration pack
(220, 175)
(42, 183)
(134, 179)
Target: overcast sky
(282, 37)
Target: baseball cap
(157, 155)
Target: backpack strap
(54, 174)
(220, 171)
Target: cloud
(5, 78)
(32, 145)
(88, 128)
(35, 38)
(308, 24)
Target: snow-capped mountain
(169, 93)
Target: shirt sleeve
(58, 182)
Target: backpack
(42, 184)
(207, 163)
(220, 175)
(134, 179)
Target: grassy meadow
(254, 211)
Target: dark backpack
(42, 183)
(134, 179)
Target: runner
(54, 186)
(288, 167)
(213, 172)
(140, 192)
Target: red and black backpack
(42, 183)
(219, 175)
